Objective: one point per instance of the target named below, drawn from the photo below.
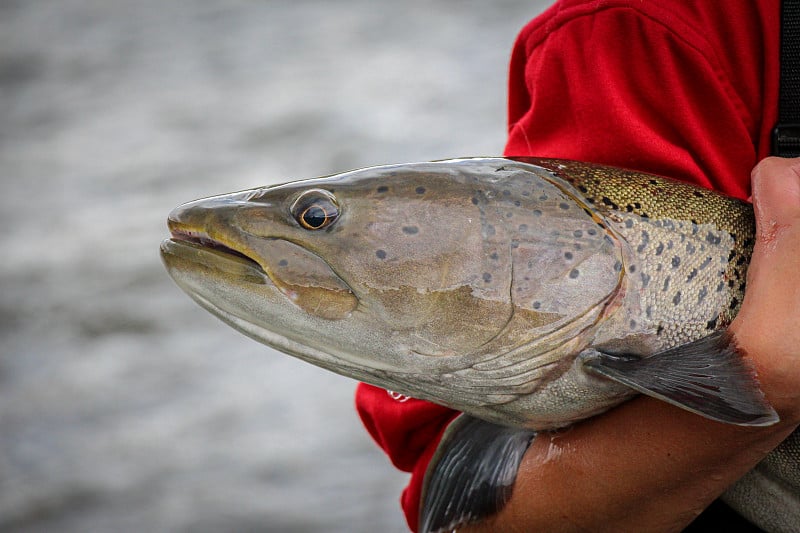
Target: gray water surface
(123, 406)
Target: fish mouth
(204, 241)
(304, 278)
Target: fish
(526, 293)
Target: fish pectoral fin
(708, 377)
(471, 476)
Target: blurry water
(123, 406)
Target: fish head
(378, 274)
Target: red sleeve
(683, 89)
(408, 430)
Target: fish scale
(613, 191)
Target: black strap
(786, 136)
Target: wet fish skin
(486, 285)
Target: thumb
(776, 197)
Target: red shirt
(682, 89)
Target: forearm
(645, 466)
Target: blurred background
(123, 406)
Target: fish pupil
(315, 217)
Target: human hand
(768, 325)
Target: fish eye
(315, 209)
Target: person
(681, 89)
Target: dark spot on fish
(543, 198)
(577, 246)
(629, 208)
(537, 213)
(734, 302)
(649, 311)
(699, 194)
(474, 201)
(666, 285)
(741, 261)
(721, 286)
(517, 203)
(628, 223)
(583, 189)
(607, 201)
(617, 266)
(713, 239)
(568, 256)
(670, 245)
(731, 255)
(509, 215)
(515, 243)
(676, 262)
(705, 263)
(506, 192)
(577, 234)
(283, 263)
(690, 248)
(712, 324)
(677, 298)
(574, 273)
(637, 205)
(659, 248)
(382, 189)
(702, 295)
(563, 205)
(381, 254)
(420, 190)
(633, 324)
(645, 280)
(523, 227)
(526, 193)
(632, 269)
(652, 182)
(659, 329)
(592, 232)
(748, 243)
(691, 275)
(537, 305)
(490, 231)
(494, 256)
(487, 277)
(645, 242)
(410, 230)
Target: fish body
(527, 293)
